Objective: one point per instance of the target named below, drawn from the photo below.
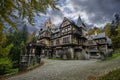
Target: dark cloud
(67, 10)
(93, 12)
(56, 16)
(98, 11)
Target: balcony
(42, 37)
(90, 44)
(102, 43)
(77, 32)
(55, 36)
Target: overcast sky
(92, 12)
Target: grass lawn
(114, 75)
(115, 55)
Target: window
(69, 28)
(64, 30)
(80, 41)
(57, 41)
(66, 40)
(52, 43)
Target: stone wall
(27, 61)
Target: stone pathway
(69, 70)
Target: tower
(81, 25)
(49, 25)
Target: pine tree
(25, 33)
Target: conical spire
(79, 22)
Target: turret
(82, 26)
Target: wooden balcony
(54, 37)
(102, 43)
(42, 37)
(76, 32)
(91, 44)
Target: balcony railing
(41, 37)
(77, 32)
(72, 31)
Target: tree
(12, 11)
(21, 9)
(18, 39)
(97, 30)
(34, 38)
(5, 62)
(117, 19)
(14, 55)
(25, 33)
(107, 29)
(116, 37)
(22, 48)
(92, 31)
(2, 37)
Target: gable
(65, 22)
(79, 22)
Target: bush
(5, 65)
(14, 55)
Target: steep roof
(71, 21)
(79, 22)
